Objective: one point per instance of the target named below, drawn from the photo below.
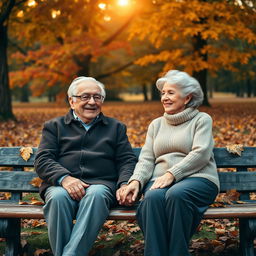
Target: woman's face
(172, 99)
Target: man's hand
(75, 187)
(128, 194)
(163, 181)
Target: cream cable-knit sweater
(181, 144)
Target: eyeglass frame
(98, 100)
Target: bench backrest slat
(10, 156)
(242, 180)
(11, 181)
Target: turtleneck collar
(181, 117)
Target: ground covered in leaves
(233, 123)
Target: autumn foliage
(233, 123)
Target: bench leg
(13, 247)
(247, 229)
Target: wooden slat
(225, 159)
(241, 181)
(10, 156)
(11, 181)
(36, 212)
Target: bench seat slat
(32, 211)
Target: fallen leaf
(36, 182)
(26, 152)
(235, 149)
(42, 252)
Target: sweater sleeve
(201, 152)
(125, 158)
(146, 164)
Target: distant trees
(51, 42)
(199, 36)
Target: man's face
(88, 109)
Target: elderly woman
(176, 170)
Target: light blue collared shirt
(86, 126)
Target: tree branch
(115, 71)
(112, 37)
(15, 45)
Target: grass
(117, 242)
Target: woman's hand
(163, 181)
(75, 187)
(128, 195)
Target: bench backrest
(241, 180)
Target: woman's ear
(188, 98)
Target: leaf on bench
(26, 152)
(235, 149)
(36, 182)
(23, 203)
(229, 198)
(36, 202)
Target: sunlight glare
(32, 3)
(123, 2)
(102, 6)
(107, 18)
(20, 14)
(55, 13)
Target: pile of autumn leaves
(233, 123)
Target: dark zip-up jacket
(101, 155)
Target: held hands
(127, 194)
(75, 187)
(163, 181)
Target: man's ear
(71, 102)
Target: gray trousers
(169, 217)
(69, 238)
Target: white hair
(72, 90)
(186, 83)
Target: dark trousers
(169, 217)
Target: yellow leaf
(25, 152)
(235, 149)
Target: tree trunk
(145, 93)
(199, 43)
(84, 65)
(24, 97)
(155, 95)
(5, 95)
(201, 77)
(249, 88)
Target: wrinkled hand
(75, 187)
(128, 194)
(163, 181)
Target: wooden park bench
(18, 181)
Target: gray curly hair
(186, 83)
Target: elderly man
(84, 160)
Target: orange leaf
(25, 152)
(36, 182)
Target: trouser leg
(186, 201)
(59, 212)
(152, 221)
(91, 214)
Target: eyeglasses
(86, 97)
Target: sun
(123, 2)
